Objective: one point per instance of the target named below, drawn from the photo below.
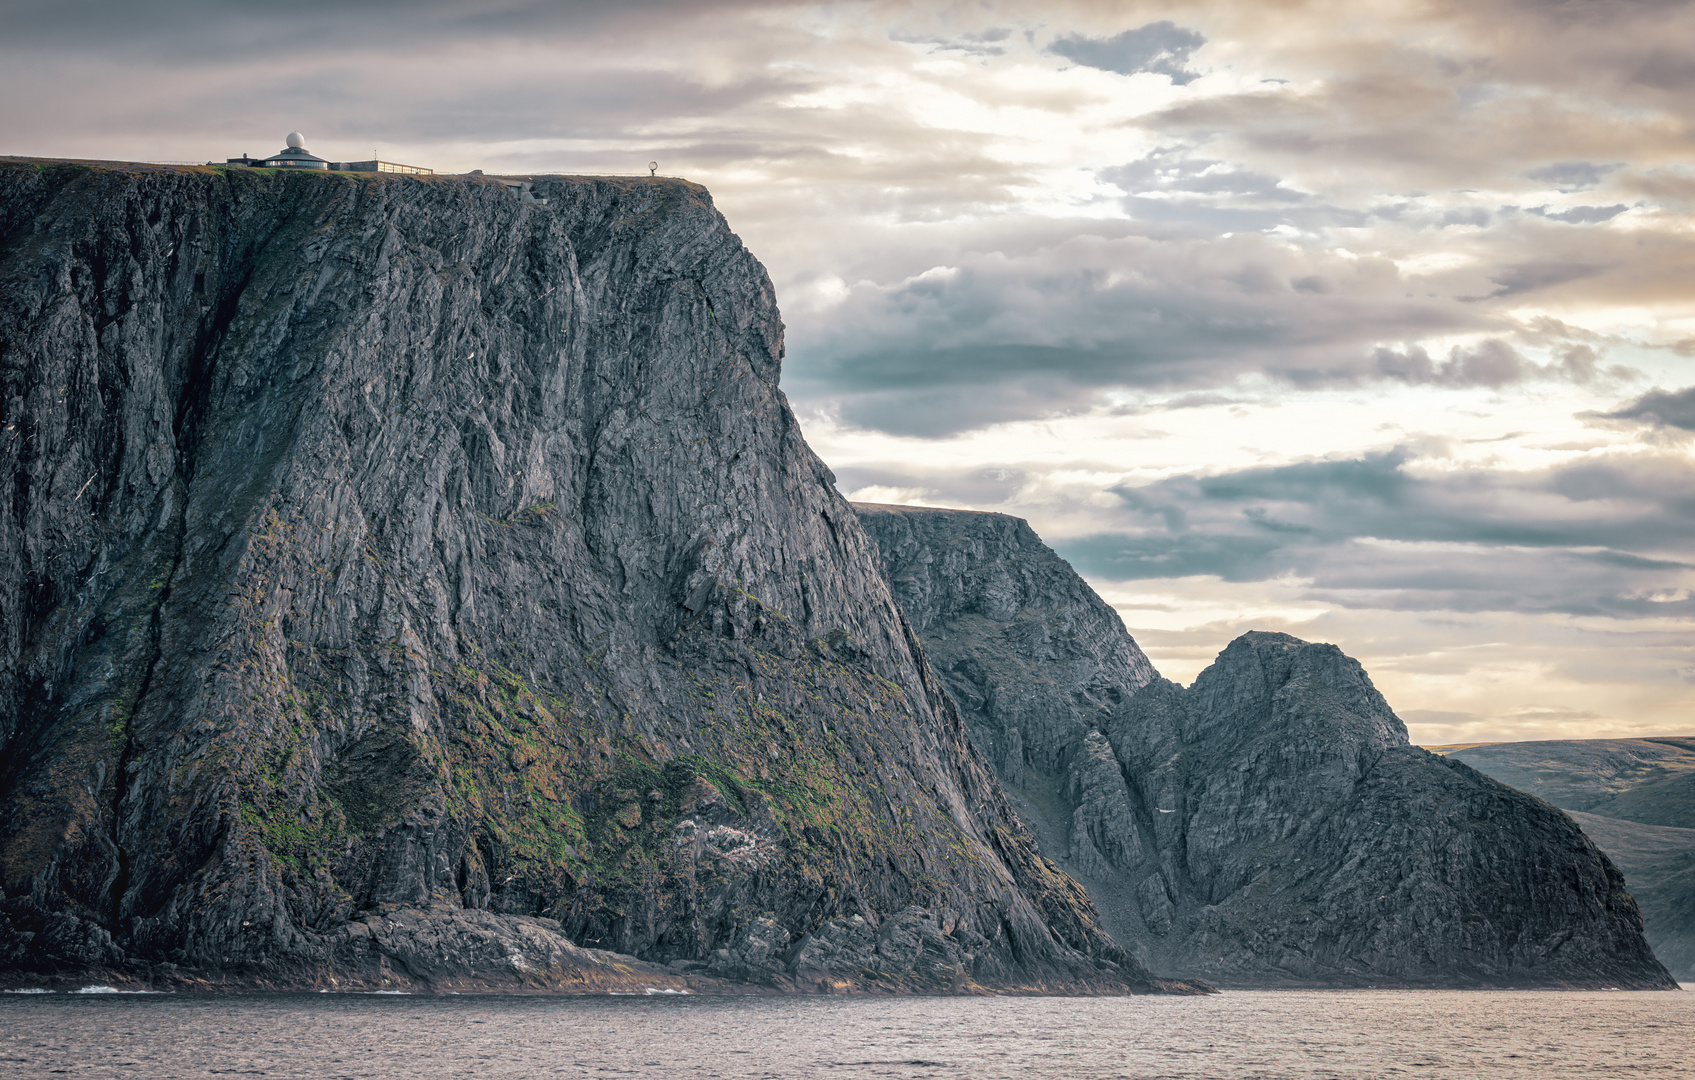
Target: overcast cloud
(1369, 321)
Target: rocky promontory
(402, 583)
(1269, 825)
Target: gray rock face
(1031, 655)
(387, 548)
(1269, 825)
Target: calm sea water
(1283, 1034)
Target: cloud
(1581, 215)
(1541, 274)
(1395, 530)
(186, 28)
(1493, 363)
(1168, 170)
(1605, 537)
(989, 485)
(1209, 196)
(1045, 331)
(985, 43)
(1104, 309)
(1510, 91)
(1672, 186)
(1572, 176)
(1161, 48)
(1659, 408)
(937, 394)
(175, 79)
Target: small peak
(1269, 637)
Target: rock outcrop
(1030, 654)
(395, 574)
(1271, 824)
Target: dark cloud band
(1659, 408)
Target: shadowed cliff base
(1269, 825)
(390, 566)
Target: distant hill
(1651, 781)
(1659, 865)
(1636, 799)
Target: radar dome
(295, 140)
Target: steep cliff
(1269, 825)
(402, 582)
(1029, 653)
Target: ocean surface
(1284, 1034)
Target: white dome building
(295, 155)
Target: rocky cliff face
(1269, 825)
(1029, 653)
(401, 582)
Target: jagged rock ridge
(391, 567)
(1269, 825)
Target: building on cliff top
(375, 165)
(293, 156)
(296, 156)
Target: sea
(1282, 1034)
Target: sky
(1371, 322)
